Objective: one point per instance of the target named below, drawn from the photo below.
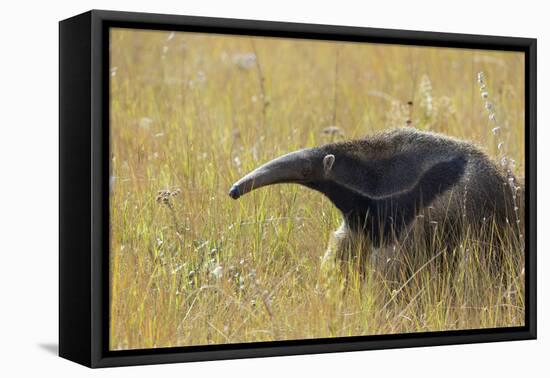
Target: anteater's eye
(306, 169)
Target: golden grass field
(191, 113)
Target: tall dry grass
(191, 113)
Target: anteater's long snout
(234, 192)
(289, 168)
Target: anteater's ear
(328, 161)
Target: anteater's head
(404, 166)
(306, 167)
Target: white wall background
(29, 186)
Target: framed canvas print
(233, 188)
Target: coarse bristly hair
(399, 186)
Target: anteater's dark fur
(406, 182)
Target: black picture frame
(84, 187)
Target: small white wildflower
(426, 99)
(178, 268)
(217, 272)
(480, 77)
(245, 61)
(333, 130)
(201, 77)
(145, 123)
(495, 130)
